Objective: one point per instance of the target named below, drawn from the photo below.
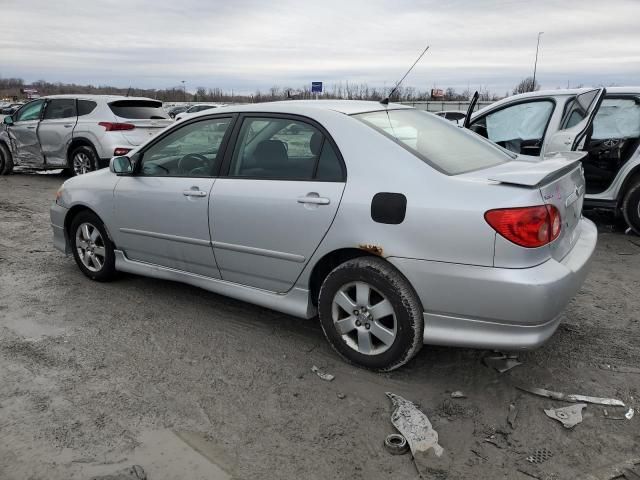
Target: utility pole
(535, 65)
(184, 92)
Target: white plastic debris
(458, 394)
(569, 416)
(501, 363)
(629, 414)
(574, 398)
(324, 376)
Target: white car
(195, 109)
(540, 123)
(454, 116)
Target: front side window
(285, 149)
(519, 128)
(443, 145)
(189, 151)
(60, 108)
(31, 111)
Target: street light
(535, 65)
(184, 92)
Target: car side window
(31, 111)
(284, 149)
(192, 150)
(85, 107)
(520, 128)
(60, 108)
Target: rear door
(56, 129)
(24, 134)
(148, 116)
(575, 128)
(269, 214)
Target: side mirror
(121, 165)
(8, 120)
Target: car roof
(108, 98)
(302, 107)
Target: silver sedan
(393, 226)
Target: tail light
(118, 152)
(529, 227)
(114, 127)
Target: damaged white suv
(537, 123)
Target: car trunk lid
(560, 180)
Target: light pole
(535, 65)
(184, 92)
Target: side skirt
(295, 302)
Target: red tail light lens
(113, 127)
(118, 152)
(529, 227)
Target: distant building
(437, 94)
(30, 93)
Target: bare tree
(526, 85)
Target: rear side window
(60, 108)
(443, 145)
(617, 118)
(85, 107)
(138, 109)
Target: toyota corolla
(395, 227)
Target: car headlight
(59, 196)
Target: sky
(246, 45)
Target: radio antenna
(385, 101)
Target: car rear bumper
(57, 214)
(502, 308)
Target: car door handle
(314, 200)
(194, 193)
(32, 127)
(68, 125)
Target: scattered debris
(620, 369)
(502, 362)
(419, 434)
(629, 414)
(341, 396)
(375, 249)
(569, 416)
(396, 444)
(478, 454)
(511, 416)
(135, 472)
(458, 394)
(574, 398)
(540, 455)
(628, 470)
(324, 376)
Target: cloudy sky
(250, 44)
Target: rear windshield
(441, 144)
(138, 109)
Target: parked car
(395, 226)
(11, 108)
(195, 109)
(534, 124)
(453, 116)
(77, 132)
(173, 111)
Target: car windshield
(440, 143)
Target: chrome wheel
(364, 318)
(90, 247)
(81, 163)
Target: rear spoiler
(540, 172)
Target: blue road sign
(316, 87)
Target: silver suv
(77, 132)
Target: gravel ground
(97, 377)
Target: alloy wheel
(90, 247)
(364, 318)
(81, 163)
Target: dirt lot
(188, 384)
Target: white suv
(77, 132)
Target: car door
(576, 123)
(24, 134)
(270, 212)
(161, 210)
(56, 130)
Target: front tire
(370, 314)
(631, 207)
(83, 160)
(6, 160)
(92, 249)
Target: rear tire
(370, 314)
(6, 160)
(91, 247)
(631, 207)
(83, 160)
